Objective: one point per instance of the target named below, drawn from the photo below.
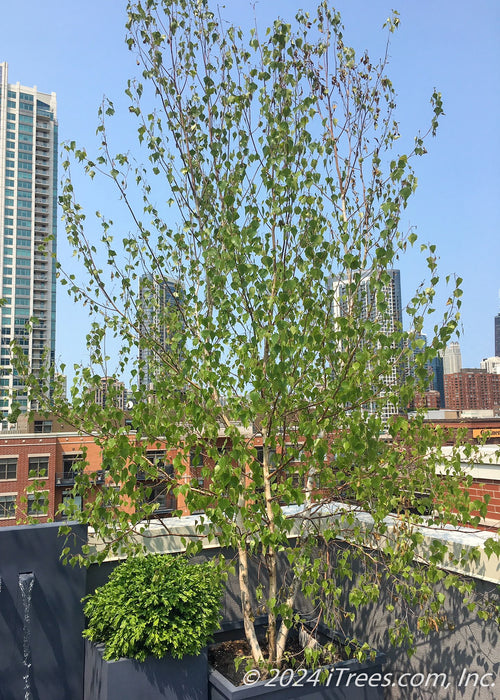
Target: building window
(8, 467)
(7, 506)
(111, 496)
(38, 467)
(195, 460)
(196, 467)
(166, 500)
(224, 448)
(38, 503)
(157, 459)
(69, 462)
(71, 502)
(42, 426)
(260, 456)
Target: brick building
(44, 461)
(45, 455)
(476, 430)
(430, 400)
(472, 389)
(485, 470)
(48, 462)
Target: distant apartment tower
(452, 359)
(367, 308)
(472, 389)
(491, 365)
(28, 222)
(497, 335)
(111, 389)
(158, 297)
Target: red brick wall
(23, 447)
(480, 487)
(472, 389)
(55, 446)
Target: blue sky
(77, 50)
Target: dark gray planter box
(348, 680)
(41, 645)
(153, 679)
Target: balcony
(165, 501)
(163, 510)
(65, 478)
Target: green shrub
(155, 605)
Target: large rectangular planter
(347, 680)
(41, 645)
(153, 679)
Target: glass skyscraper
(28, 221)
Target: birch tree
(266, 170)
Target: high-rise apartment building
(28, 221)
(365, 299)
(472, 389)
(491, 365)
(159, 297)
(111, 389)
(497, 335)
(366, 307)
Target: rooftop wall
(463, 662)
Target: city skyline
(82, 56)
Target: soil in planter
(222, 657)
